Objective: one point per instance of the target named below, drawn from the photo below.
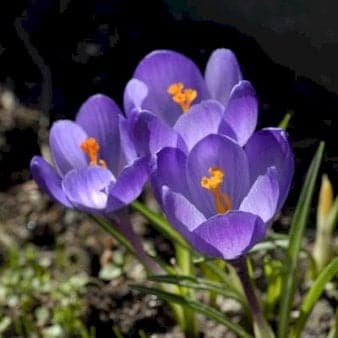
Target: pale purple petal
(217, 151)
(48, 180)
(99, 117)
(232, 234)
(221, 74)
(184, 217)
(129, 184)
(128, 149)
(150, 135)
(134, 94)
(199, 121)
(160, 69)
(270, 148)
(87, 188)
(170, 171)
(263, 196)
(241, 111)
(65, 140)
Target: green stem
(184, 262)
(261, 327)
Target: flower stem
(261, 327)
(185, 264)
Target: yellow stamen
(91, 147)
(182, 96)
(213, 183)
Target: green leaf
(333, 215)
(313, 294)
(199, 284)
(109, 228)
(285, 122)
(160, 224)
(199, 307)
(296, 233)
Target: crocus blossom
(168, 83)
(221, 196)
(169, 94)
(95, 165)
(237, 120)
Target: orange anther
(91, 147)
(182, 96)
(213, 183)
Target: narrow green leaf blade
(296, 233)
(196, 306)
(109, 228)
(160, 224)
(285, 122)
(198, 284)
(313, 294)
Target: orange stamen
(182, 96)
(213, 183)
(91, 147)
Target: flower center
(91, 147)
(213, 183)
(182, 96)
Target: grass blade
(199, 284)
(313, 294)
(196, 306)
(285, 122)
(296, 233)
(160, 224)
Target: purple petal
(134, 94)
(129, 184)
(217, 151)
(170, 171)
(129, 154)
(87, 188)
(99, 117)
(65, 140)
(182, 215)
(48, 180)
(270, 148)
(160, 69)
(232, 234)
(241, 111)
(221, 74)
(201, 120)
(263, 196)
(151, 135)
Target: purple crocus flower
(169, 103)
(221, 196)
(95, 165)
(168, 83)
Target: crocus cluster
(218, 182)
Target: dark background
(56, 53)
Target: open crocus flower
(95, 166)
(221, 196)
(237, 120)
(169, 103)
(168, 83)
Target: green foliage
(36, 304)
(296, 234)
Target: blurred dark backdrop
(56, 53)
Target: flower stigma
(91, 147)
(182, 96)
(213, 183)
